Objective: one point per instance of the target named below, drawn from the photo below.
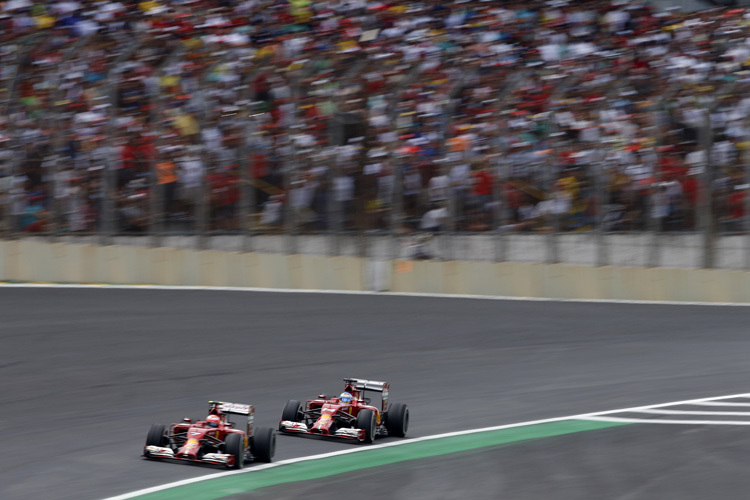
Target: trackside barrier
(34, 261)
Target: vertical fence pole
(502, 171)
(107, 217)
(549, 176)
(246, 163)
(154, 188)
(705, 213)
(15, 191)
(601, 185)
(335, 208)
(602, 199)
(23, 47)
(156, 213)
(245, 202)
(553, 254)
(157, 208)
(108, 221)
(746, 211)
(289, 221)
(500, 199)
(659, 118)
(203, 200)
(397, 207)
(56, 180)
(109, 187)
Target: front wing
(207, 458)
(301, 428)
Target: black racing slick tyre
(397, 420)
(235, 445)
(366, 421)
(156, 437)
(263, 445)
(292, 411)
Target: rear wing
(233, 408)
(359, 386)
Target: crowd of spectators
(210, 115)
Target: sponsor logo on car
(236, 408)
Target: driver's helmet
(213, 420)
(346, 397)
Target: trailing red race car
(215, 440)
(349, 416)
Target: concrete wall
(626, 249)
(36, 261)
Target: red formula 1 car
(215, 440)
(349, 416)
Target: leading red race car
(215, 440)
(349, 416)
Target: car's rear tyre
(292, 411)
(366, 421)
(397, 419)
(156, 437)
(263, 444)
(235, 445)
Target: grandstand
(210, 117)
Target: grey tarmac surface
(632, 462)
(84, 372)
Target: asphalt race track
(84, 373)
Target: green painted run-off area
(318, 468)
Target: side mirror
(321, 396)
(187, 420)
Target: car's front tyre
(366, 421)
(292, 411)
(157, 436)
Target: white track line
(382, 294)
(660, 421)
(709, 403)
(689, 412)
(582, 416)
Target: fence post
(746, 211)
(705, 193)
(397, 206)
(654, 223)
(335, 207)
(108, 221)
(500, 207)
(549, 178)
(109, 186)
(602, 200)
(14, 191)
(23, 47)
(246, 164)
